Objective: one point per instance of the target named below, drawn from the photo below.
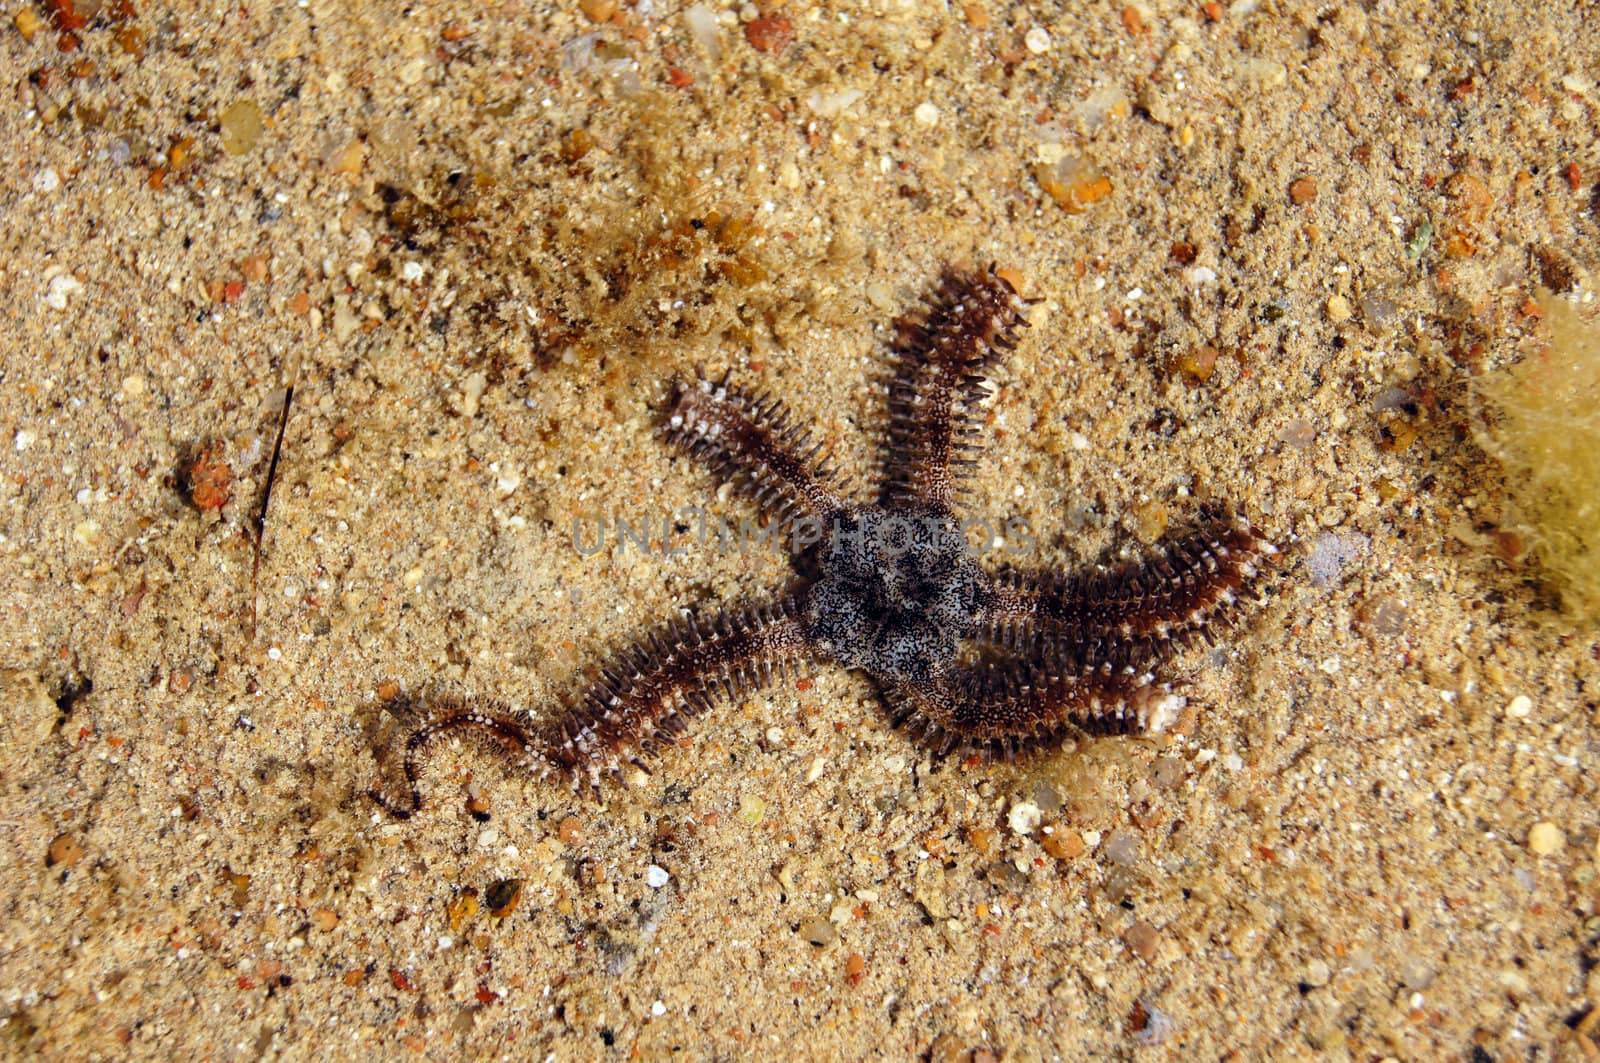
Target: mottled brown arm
(495, 726)
(941, 352)
(999, 708)
(647, 696)
(1109, 620)
(750, 439)
(644, 700)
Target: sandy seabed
(1273, 244)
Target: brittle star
(964, 660)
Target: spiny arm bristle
(1003, 708)
(646, 697)
(505, 730)
(751, 439)
(1131, 614)
(968, 321)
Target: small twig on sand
(291, 376)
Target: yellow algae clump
(1542, 421)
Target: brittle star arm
(1003, 707)
(752, 440)
(494, 725)
(1109, 620)
(940, 355)
(643, 700)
